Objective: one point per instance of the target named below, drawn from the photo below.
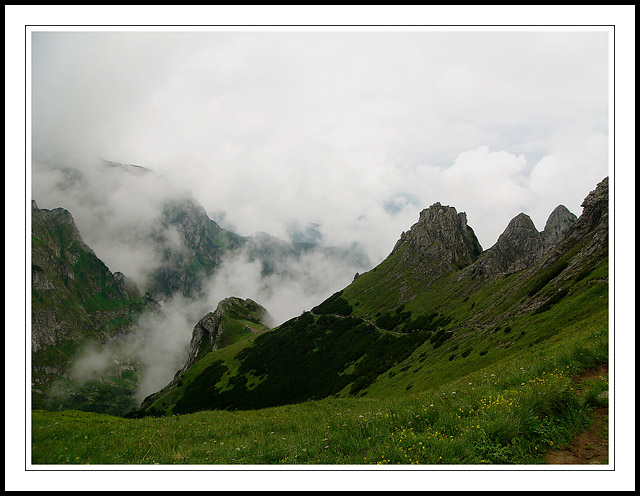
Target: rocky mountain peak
(216, 330)
(126, 285)
(594, 221)
(440, 242)
(208, 332)
(66, 231)
(557, 224)
(518, 247)
(596, 206)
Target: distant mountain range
(78, 303)
(75, 301)
(437, 308)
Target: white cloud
(289, 128)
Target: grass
(339, 349)
(509, 413)
(394, 369)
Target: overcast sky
(354, 131)
(523, 97)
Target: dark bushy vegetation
(402, 322)
(548, 275)
(333, 305)
(293, 377)
(552, 301)
(440, 337)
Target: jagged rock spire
(517, 248)
(440, 242)
(558, 222)
(594, 219)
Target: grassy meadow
(510, 412)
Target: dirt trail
(592, 446)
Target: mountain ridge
(405, 314)
(76, 299)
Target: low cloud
(115, 208)
(294, 285)
(159, 345)
(334, 138)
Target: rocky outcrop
(126, 285)
(439, 243)
(74, 296)
(216, 330)
(191, 246)
(521, 246)
(517, 248)
(208, 333)
(595, 216)
(205, 336)
(557, 224)
(590, 229)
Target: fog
(339, 138)
(275, 128)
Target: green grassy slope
(466, 369)
(510, 412)
(75, 301)
(391, 334)
(229, 329)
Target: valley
(441, 354)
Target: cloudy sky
(366, 132)
(346, 135)
(353, 131)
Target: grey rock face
(593, 223)
(557, 224)
(75, 297)
(126, 285)
(204, 337)
(439, 243)
(208, 331)
(191, 246)
(595, 214)
(209, 335)
(517, 248)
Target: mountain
(75, 299)
(234, 321)
(191, 246)
(438, 308)
(181, 246)
(557, 223)
(441, 241)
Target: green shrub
(548, 275)
(552, 301)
